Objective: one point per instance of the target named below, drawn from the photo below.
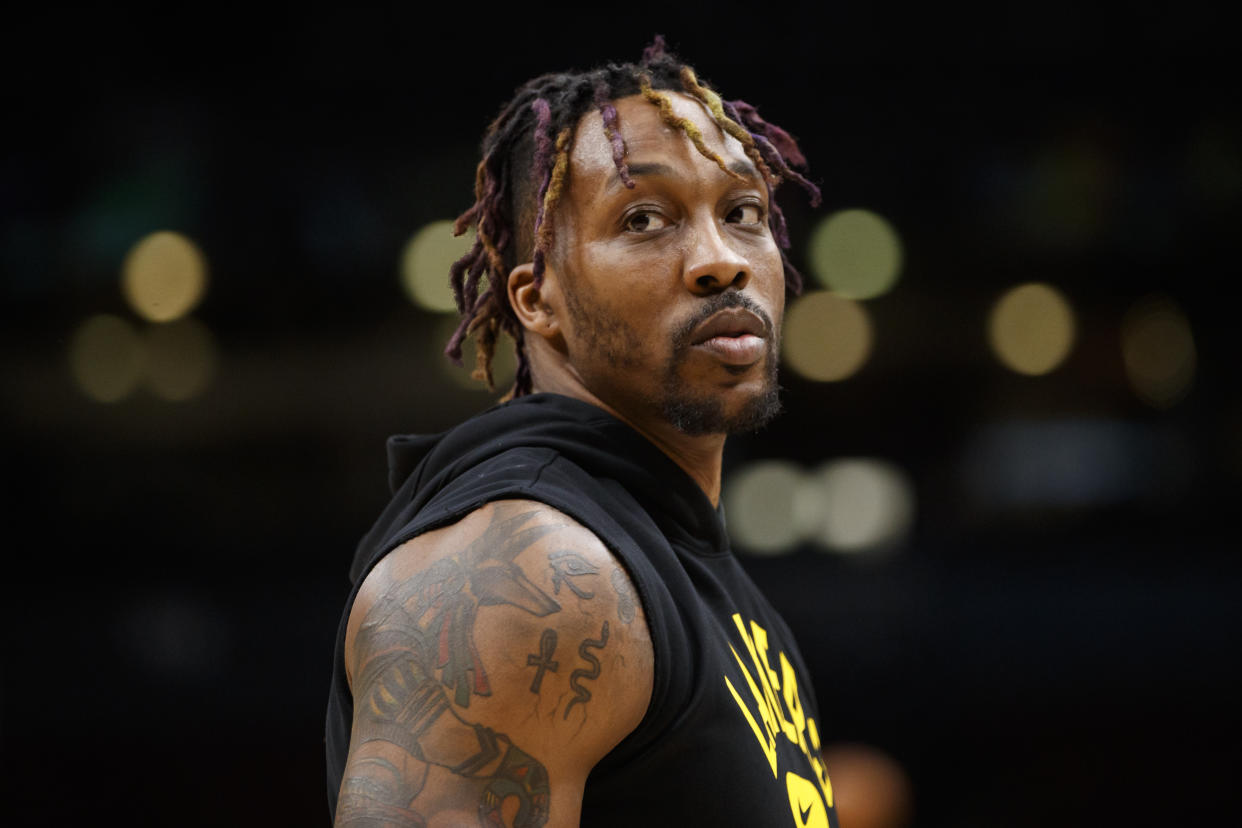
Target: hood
(419, 466)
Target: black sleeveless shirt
(732, 734)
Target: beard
(707, 415)
(689, 412)
(699, 414)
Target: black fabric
(728, 739)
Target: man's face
(675, 289)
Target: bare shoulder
(493, 663)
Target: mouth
(735, 336)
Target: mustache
(714, 305)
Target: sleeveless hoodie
(731, 735)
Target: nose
(712, 264)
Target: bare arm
(493, 663)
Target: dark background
(176, 570)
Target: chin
(717, 414)
(697, 403)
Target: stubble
(705, 413)
(691, 413)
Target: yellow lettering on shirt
(808, 801)
(789, 686)
(769, 697)
(760, 637)
(769, 747)
(821, 773)
(767, 739)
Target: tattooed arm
(493, 663)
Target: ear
(535, 305)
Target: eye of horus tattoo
(566, 566)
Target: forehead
(648, 137)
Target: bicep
(493, 663)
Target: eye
(645, 221)
(745, 214)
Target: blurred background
(1000, 509)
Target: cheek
(636, 288)
(771, 283)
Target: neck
(699, 456)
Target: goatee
(699, 415)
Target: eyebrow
(656, 168)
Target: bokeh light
(425, 264)
(1073, 463)
(164, 276)
(759, 506)
(857, 505)
(827, 337)
(1158, 351)
(1067, 192)
(106, 358)
(855, 253)
(870, 788)
(181, 359)
(1031, 328)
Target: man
(547, 625)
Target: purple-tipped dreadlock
(656, 51)
(543, 171)
(612, 128)
(523, 174)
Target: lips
(734, 336)
(730, 323)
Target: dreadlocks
(521, 177)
